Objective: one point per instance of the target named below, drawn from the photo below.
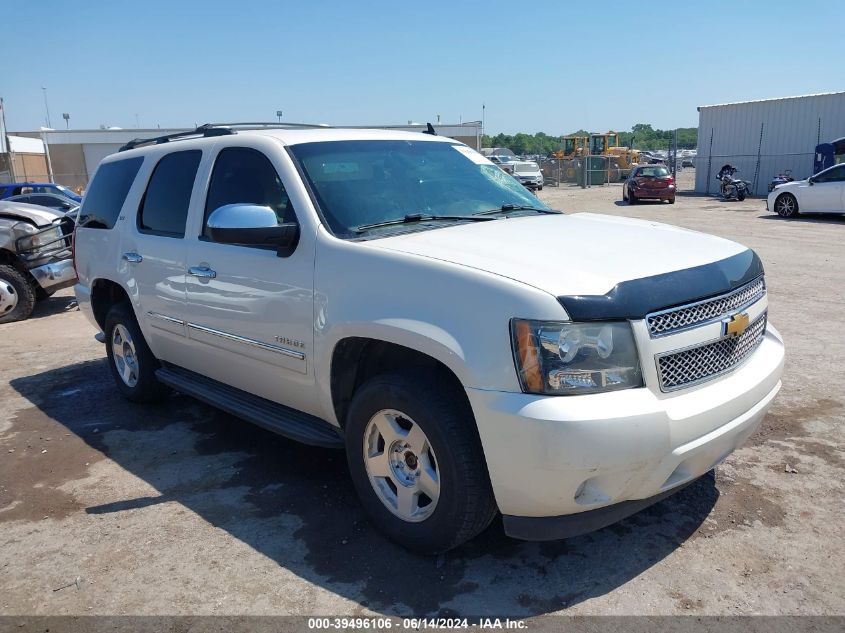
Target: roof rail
(216, 129)
(202, 130)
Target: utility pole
(46, 107)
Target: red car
(649, 182)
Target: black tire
(740, 196)
(18, 296)
(146, 388)
(672, 200)
(786, 206)
(466, 505)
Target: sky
(550, 66)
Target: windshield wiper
(516, 207)
(418, 217)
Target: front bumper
(553, 456)
(55, 276)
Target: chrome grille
(704, 362)
(693, 314)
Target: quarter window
(107, 193)
(164, 207)
(246, 176)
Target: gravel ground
(112, 508)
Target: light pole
(46, 107)
(279, 115)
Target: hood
(579, 254)
(40, 216)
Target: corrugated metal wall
(791, 129)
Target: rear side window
(107, 193)
(244, 175)
(164, 207)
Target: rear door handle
(133, 257)
(203, 272)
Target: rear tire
(786, 206)
(131, 361)
(17, 297)
(451, 498)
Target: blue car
(8, 190)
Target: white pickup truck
(399, 296)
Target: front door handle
(132, 257)
(203, 272)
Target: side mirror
(252, 225)
(811, 181)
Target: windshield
(653, 172)
(358, 183)
(65, 190)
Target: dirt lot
(179, 509)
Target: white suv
(400, 296)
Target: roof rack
(215, 129)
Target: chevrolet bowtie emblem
(736, 325)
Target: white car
(822, 193)
(399, 296)
(528, 173)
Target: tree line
(641, 136)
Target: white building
(75, 154)
(764, 138)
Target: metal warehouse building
(764, 138)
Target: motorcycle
(780, 179)
(731, 188)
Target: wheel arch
(355, 359)
(106, 293)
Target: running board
(274, 417)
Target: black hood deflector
(636, 298)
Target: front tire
(131, 361)
(786, 206)
(17, 297)
(417, 463)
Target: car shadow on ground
(645, 203)
(818, 218)
(260, 476)
(54, 305)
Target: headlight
(42, 241)
(575, 358)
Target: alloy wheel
(125, 358)
(401, 465)
(785, 206)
